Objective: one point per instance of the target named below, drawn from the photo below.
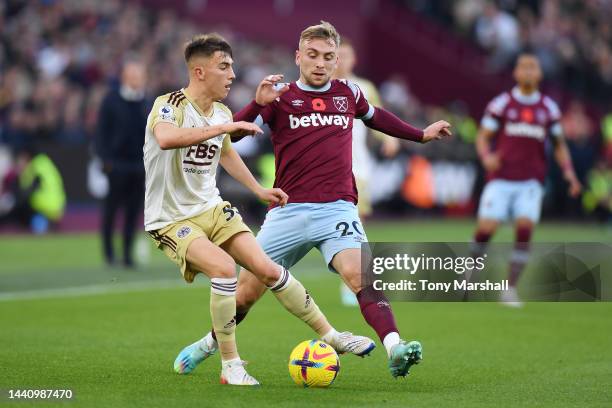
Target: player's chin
(223, 94)
(531, 82)
(319, 79)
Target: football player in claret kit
(187, 137)
(311, 122)
(511, 144)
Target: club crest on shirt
(183, 232)
(341, 103)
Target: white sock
(283, 280)
(207, 342)
(329, 336)
(391, 340)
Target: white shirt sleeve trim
(369, 113)
(490, 123)
(556, 130)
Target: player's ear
(297, 57)
(198, 70)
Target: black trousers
(126, 191)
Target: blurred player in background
(311, 122)
(511, 145)
(32, 193)
(123, 115)
(187, 137)
(362, 159)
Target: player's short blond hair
(324, 31)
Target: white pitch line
(107, 288)
(99, 289)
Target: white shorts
(503, 200)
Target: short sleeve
(496, 107)
(494, 112)
(489, 122)
(164, 111)
(227, 144)
(553, 109)
(554, 113)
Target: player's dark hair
(526, 52)
(206, 45)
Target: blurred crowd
(58, 59)
(573, 38)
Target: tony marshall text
(424, 284)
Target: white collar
(530, 99)
(305, 87)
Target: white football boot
(233, 373)
(347, 342)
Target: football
(313, 363)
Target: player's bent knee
(266, 271)
(225, 270)
(272, 273)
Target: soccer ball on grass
(313, 363)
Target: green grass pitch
(112, 335)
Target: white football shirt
(181, 183)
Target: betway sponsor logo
(525, 130)
(318, 119)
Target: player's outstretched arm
(564, 160)
(170, 136)
(232, 163)
(386, 122)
